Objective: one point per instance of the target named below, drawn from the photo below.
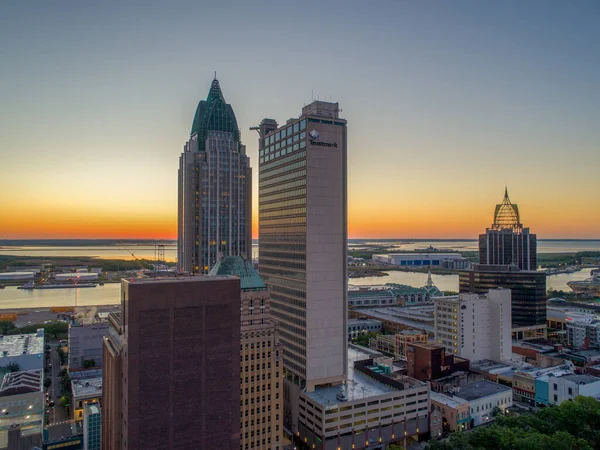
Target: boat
(588, 286)
(65, 286)
(29, 285)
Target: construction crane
(142, 267)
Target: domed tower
(507, 242)
(215, 184)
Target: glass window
(295, 147)
(266, 141)
(283, 133)
(303, 135)
(277, 146)
(289, 131)
(296, 127)
(289, 141)
(295, 138)
(277, 136)
(303, 124)
(277, 154)
(302, 144)
(271, 139)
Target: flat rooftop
(581, 379)
(21, 382)
(419, 317)
(87, 387)
(480, 389)
(359, 386)
(22, 344)
(179, 279)
(453, 402)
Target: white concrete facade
(416, 258)
(482, 408)
(326, 253)
(475, 327)
(568, 387)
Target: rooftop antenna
(215, 74)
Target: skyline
(446, 104)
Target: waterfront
(147, 250)
(110, 293)
(450, 282)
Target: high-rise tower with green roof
(215, 185)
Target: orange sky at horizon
(77, 222)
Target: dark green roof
(241, 268)
(213, 114)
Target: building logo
(314, 134)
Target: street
(58, 413)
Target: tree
(6, 326)
(571, 425)
(65, 401)
(47, 382)
(87, 363)
(13, 366)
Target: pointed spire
(429, 280)
(506, 193)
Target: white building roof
(87, 388)
(22, 344)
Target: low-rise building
(85, 344)
(525, 383)
(455, 412)
(484, 397)
(395, 344)
(434, 259)
(370, 410)
(583, 332)
(361, 326)
(22, 403)
(85, 391)
(429, 361)
(397, 318)
(567, 387)
(25, 350)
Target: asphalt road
(58, 413)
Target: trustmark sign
(314, 135)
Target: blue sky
(446, 102)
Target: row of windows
(282, 212)
(270, 148)
(283, 230)
(284, 151)
(280, 179)
(282, 133)
(286, 187)
(282, 204)
(266, 198)
(275, 173)
(264, 168)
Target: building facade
(475, 326)
(261, 360)
(583, 332)
(426, 361)
(506, 242)
(85, 344)
(369, 412)
(435, 259)
(396, 344)
(455, 412)
(215, 188)
(92, 421)
(527, 291)
(171, 377)
(484, 397)
(22, 403)
(357, 327)
(303, 236)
